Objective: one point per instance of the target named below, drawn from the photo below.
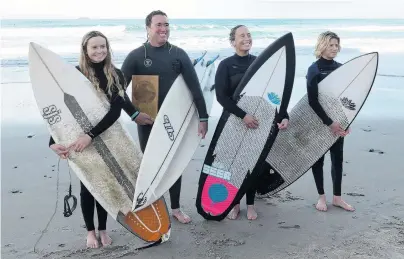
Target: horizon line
(200, 18)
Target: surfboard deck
(174, 130)
(342, 94)
(108, 167)
(235, 151)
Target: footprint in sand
(355, 194)
(289, 227)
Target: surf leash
(68, 211)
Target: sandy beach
(288, 225)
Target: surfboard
(172, 141)
(235, 151)
(342, 94)
(70, 105)
(189, 142)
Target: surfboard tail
(151, 224)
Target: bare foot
(251, 213)
(92, 241)
(233, 214)
(181, 216)
(338, 202)
(321, 203)
(105, 239)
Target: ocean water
(64, 37)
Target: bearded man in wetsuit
(158, 57)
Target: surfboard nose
(33, 48)
(33, 45)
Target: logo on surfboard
(348, 104)
(274, 98)
(51, 114)
(140, 200)
(169, 128)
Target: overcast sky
(204, 8)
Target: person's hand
(250, 121)
(144, 119)
(337, 129)
(346, 132)
(284, 124)
(60, 150)
(202, 128)
(81, 143)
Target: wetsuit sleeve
(127, 105)
(110, 118)
(285, 115)
(129, 108)
(191, 79)
(312, 93)
(221, 86)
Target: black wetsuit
(228, 75)
(167, 61)
(86, 198)
(315, 74)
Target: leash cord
(67, 210)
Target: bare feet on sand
(321, 203)
(251, 213)
(92, 241)
(233, 214)
(105, 239)
(181, 216)
(338, 202)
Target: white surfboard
(341, 94)
(189, 142)
(70, 105)
(177, 118)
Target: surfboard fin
(200, 58)
(212, 60)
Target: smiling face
(97, 49)
(158, 30)
(242, 39)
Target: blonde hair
(109, 69)
(323, 41)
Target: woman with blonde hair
(96, 64)
(327, 47)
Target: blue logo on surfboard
(274, 98)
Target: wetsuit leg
(250, 195)
(175, 190)
(87, 207)
(143, 133)
(318, 175)
(337, 160)
(102, 216)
